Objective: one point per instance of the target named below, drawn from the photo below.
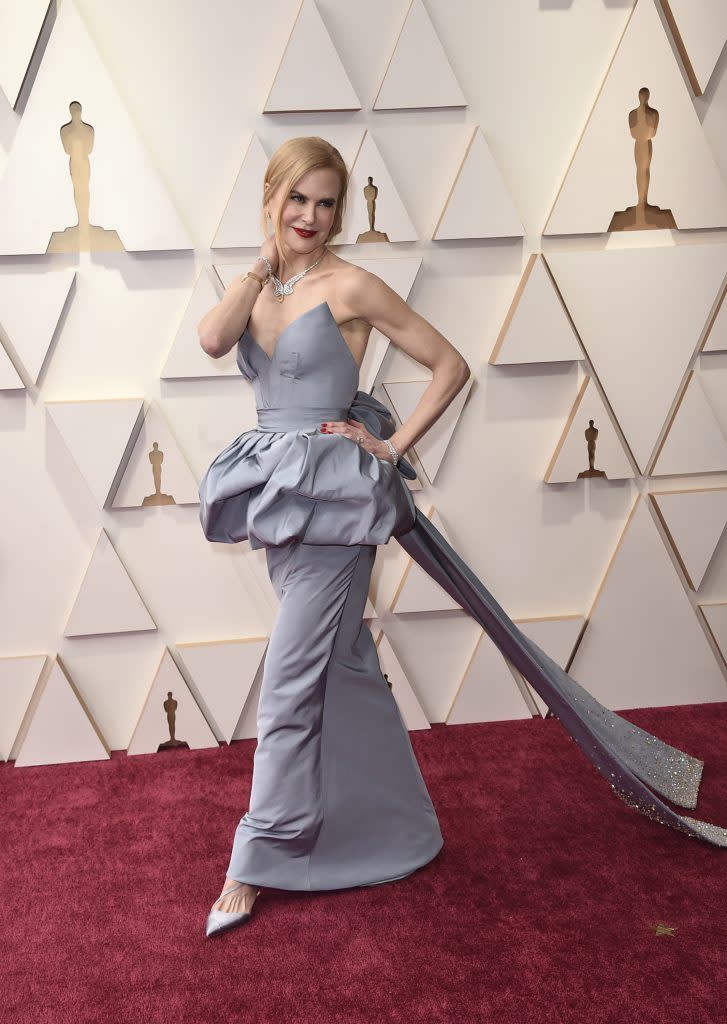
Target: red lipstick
(304, 234)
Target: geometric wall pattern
(632, 312)
(129, 207)
(621, 328)
(700, 32)
(601, 179)
(478, 204)
(419, 73)
(20, 26)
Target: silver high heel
(221, 920)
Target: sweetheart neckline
(295, 320)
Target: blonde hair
(290, 161)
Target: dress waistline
(299, 417)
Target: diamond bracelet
(394, 453)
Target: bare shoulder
(365, 296)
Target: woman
(337, 797)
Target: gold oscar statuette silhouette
(388, 682)
(370, 192)
(643, 122)
(591, 434)
(156, 457)
(170, 706)
(77, 139)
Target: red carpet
(541, 906)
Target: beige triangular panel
(156, 721)
(409, 707)
(240, 225)
(404, 397)
(391, 221)
(18, 678)
(223, 671)
(571, 458)
(419, 73)
(716, 338)
(126, 205)
(601, 179)
(488, 691)
(97, 433)
(700, 31)
(557, 636)
(537, 327)
(695, 442)
(9, 377)
(61, 729)
(715, 616)
(311, 75)
(479, 204)
(20, 26)
(630, 305)
(694, 522)
(417, 591)
(152, 479)
(643, 645)
(30, 308)
(369, 610)
(186, 357)
(107, 601)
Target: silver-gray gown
(337, 796)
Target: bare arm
(221, 327)
(372, 299)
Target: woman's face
(308, 210)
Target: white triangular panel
(488, 691)
(107, 601)
(18, 678)
(695, 442)
(571, 454)
(9, 377)
(137, 482)
(700, 32)
(716, 340)
(404, 397)
(186, 357)
(479, 204)
(417, 591)
(61, 729)
(643, 645)
(398, 272)
(715, 615)
(311, 75)
(537, 328)
(240, 224)
(556, 636)
(30, 308)
(408, 703)
(419, 73)
(36, 193)
(369, 610)
(694, 522)
(152, 729)
(96, 433)
(223, 672)
(627, 305)
(20, 25)
(390, 213)
(601, 179)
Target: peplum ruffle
(272, 487)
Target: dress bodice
(311, 364)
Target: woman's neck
(296, 264)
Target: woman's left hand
(353, 429)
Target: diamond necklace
(281, 290)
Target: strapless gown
(285, 485)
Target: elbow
(209, 344)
